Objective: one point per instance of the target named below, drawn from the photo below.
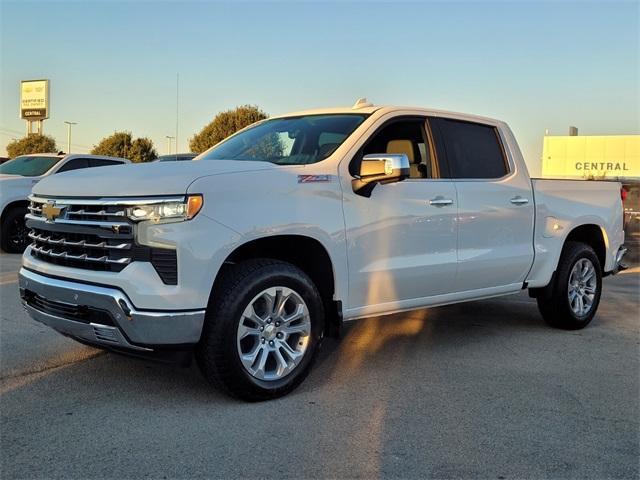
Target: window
(288, 140)
(472, 150)
(28, 166)
(101, 162)
(408, 137)
(74, 164)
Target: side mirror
(380, 168)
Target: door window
(408, 137)
(472, 150)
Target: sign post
(34, 103)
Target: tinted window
(28, 166)
(288, 140)
(472, 150)
(74, 164)
(99, 162)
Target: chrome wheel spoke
(302, 328)
(250, 314)
(279, 303)
(249, 359)
(298, 314)
(244, 331)
(293, 354)
(282, 363)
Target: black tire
(14, 236)
(217, 353)
(553, 301)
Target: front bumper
(104, 316)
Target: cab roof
(382, 109)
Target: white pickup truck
(263, 244)
(17, 178)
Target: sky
(114, 65)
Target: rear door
(495, 205)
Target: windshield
(28, 166)
(288, 141)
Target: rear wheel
(571, 300)
(263, 330)
(15, 234)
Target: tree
(115, 145)
(122, 144)
(225, 124)
(142, 151)
(34, 143)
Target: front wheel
(14, 237)
(262, 331)
(571, 300)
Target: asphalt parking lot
(483, 390)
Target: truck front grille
(92, 236)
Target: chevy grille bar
(83, 257)
(80, 243)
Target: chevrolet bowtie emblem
(51, 212)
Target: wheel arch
(11, 205)
(592, 235)
(306, 253)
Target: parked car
(267, 242)
(176, 157)
(18, 176)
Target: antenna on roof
(361, 103)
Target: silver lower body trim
(133, 329)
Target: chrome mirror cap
(380, 168)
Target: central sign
(34, 99)
(591, 157)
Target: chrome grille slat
(80, 243)
(92, 223)
(83, 257)
(101, 213)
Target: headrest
(401, 146)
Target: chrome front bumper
(105, 316)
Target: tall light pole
(69, 135)
(169, 138)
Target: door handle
(440, 201)
(518, 200)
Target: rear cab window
(473, 150)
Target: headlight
(167, 211)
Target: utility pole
(69, 135)
(169, 138)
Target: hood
(136, 180)
(17, 181)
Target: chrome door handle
(519, 200)
(440, 201)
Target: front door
(401, 241)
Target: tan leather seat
(406, 147)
